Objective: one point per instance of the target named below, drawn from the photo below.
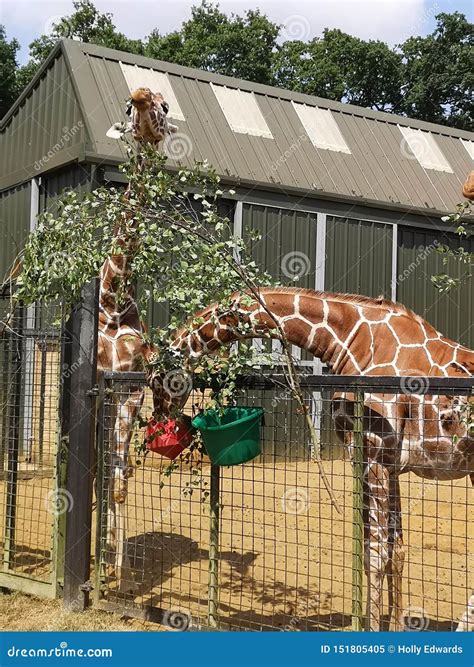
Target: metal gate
(33, 503)
(259, 546)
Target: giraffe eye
(165, 107)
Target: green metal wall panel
(48, 123)
(451, 313)
(158, 313)
(288, 242)
(78, 177)
(14, 224)
(358, 257)
(287, 247)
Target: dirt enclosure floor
(285, 553)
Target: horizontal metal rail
(386, 383)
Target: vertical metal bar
(213, 588)
(101, 492)
(42, 401)
(358, 520)
(29, 359)
(13, 443)
(58, 536)
(394, 280)
(238, 226)
(59, 531)
(80, 470)
(5, 403)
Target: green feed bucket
(231, 437)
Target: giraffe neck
(309, 320)
(116, 295)
(351, 334)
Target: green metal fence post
(102, 493)
(13, 445)
(213, 588)
(357, 518)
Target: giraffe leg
(396, 559)
(376, 539)
(127, 411)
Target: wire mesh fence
(260, 546)
(30, 354)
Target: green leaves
(180, 250)
(458, 260)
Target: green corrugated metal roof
(377, 170)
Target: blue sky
(389, 20)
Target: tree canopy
(8, 69)
(430, 78)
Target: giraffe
(357, 335)
(121, 342)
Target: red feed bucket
(168, 438)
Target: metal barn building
(357, 192)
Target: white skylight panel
(424, 147)
(322, 128)
(469, 146)
(242, 111)
(157, 82)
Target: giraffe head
(148, 118)
(148, 113)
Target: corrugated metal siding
(451, 313)
(378, 169)
(74, 177)
(288, 237)
(158, 313)
(358, 257)
(14, 224)
(287, 246)
(48, 122)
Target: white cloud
(388, 20)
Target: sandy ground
(285, 553)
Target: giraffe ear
(128, 108)
(165, 106)
(114, 132)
